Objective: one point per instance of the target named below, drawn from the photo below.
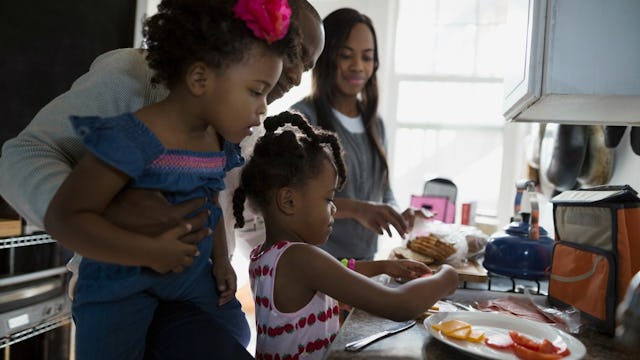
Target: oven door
(29, 254)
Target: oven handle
(19, 279)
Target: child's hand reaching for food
(404, 269)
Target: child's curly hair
(185, 31)
(285, 158)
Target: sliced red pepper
(524, 341)
(546, 347)
(561, 347)
(499, 341)
(528, 354)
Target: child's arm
(304, 269)
(402, 268)
(222, 269)
(74, 218)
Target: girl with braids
(219, 59)
(291, 180)
(344, 99)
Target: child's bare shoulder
(301, 253)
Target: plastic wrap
(469, 241)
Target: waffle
(432, 246)
(402, 252)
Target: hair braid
(338, 160)
(285, 157)
(238, 206)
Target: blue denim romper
(114, 304)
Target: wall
(627, 164)
(46, 45)
(625, 172)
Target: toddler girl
(219, 59)
(291, 180)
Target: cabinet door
(524, 54)
(46, 45)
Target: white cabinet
(573, 61)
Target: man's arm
(36, 162)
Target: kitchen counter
(417, 343)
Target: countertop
(417, 343)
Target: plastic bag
(469, 241)
(567, 319)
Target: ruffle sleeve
(122, 141)
(234, 156)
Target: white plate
(496, 323)
(443, 307)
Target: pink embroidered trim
(268, 19)
(189, 162)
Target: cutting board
(472, 271)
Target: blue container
(512, 253)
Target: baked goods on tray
(431, 246)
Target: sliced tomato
(546, 347)
(528, 354)
(499, 341)
(524, 341)
(561, 347)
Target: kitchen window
(441, 96)
(445, 90)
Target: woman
(344, 99)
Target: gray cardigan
(364, 182)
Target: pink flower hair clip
(267, 19)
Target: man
(36, 162)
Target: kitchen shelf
(29, 240)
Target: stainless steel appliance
(33, 299)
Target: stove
(33, 298)
(501, 283)
(27, 322)
(31, 304)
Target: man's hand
(148, 212)
(225, 278)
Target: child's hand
(226, 279)
(405, 269)
(451, 276)
(168, 253)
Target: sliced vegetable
(561, 347)
(524, 341)
(528, 354)
(546, 347)
(499, 341)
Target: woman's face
(355, 61)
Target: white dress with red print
(304, 334)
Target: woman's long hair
(338, 26)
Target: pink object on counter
(443, 209)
